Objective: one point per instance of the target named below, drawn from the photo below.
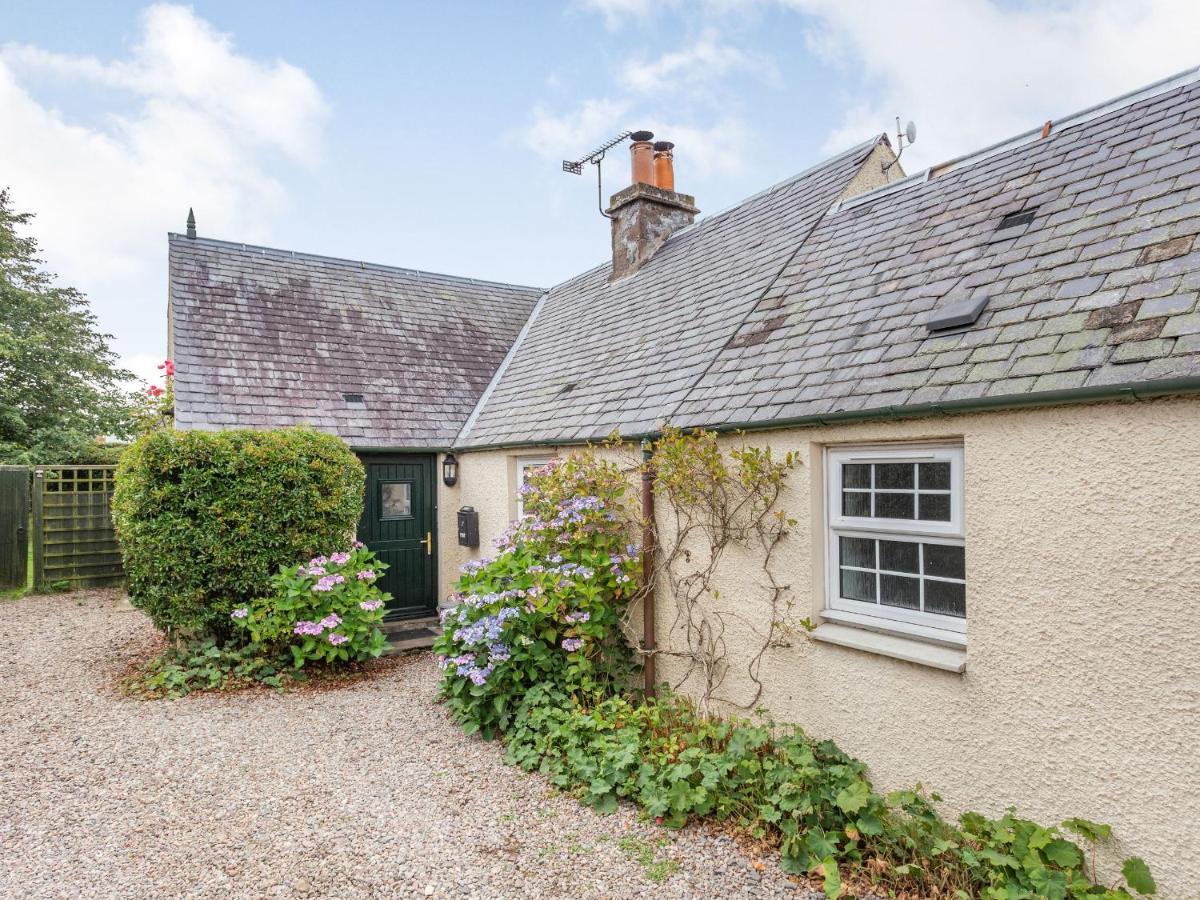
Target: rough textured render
(643, 217)
(265, 338)
(790, 306)
(1081, 695)
(602, 355)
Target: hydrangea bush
(327, 610)
(547, 607)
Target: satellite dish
(910, 132)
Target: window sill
(949, 659)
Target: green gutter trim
(1097, 394)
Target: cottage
(988, 371)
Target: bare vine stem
(715, 501)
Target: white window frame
(916, 623)
(524, 463)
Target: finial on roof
(191, 223)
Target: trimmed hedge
(205, 518)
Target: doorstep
(410, 634)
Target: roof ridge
(1025, 138)
(725, 210)
(499, 373)
(355, 263)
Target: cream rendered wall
(1081, 695)
(487, 481)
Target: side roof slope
(783, 308)
(600, 356)
(266, 338)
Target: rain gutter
(1097, 394)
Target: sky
(431, 135)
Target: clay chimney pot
(664, 165)
(642, 154)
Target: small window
(355, 401)
(395, 500)
(896, 543)
(525, 468)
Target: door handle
(428, 542)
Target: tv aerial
(909, 133)
(575, 167)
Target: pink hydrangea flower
(333, 620)
(335, 638)
(572, 644)
(366, 575)
(305, 627)
(340, 558)
(240, 613)
(370, 605)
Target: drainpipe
(648, 642)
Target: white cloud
(974, 72)
(191, 123)
(706, 61)
(711, 137)
(617, 12)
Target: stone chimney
(644, 215)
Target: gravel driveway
(367, 790)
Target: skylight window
(956, 315)
(1014, 225)
(1017, 219)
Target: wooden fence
(74, 542)
(64, 512)
(14, 527)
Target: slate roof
(599, 356)
(265, 338)
(787, 306)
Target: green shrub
(205, 518)
(327, 610)
(547, 609)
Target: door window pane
(395, 500)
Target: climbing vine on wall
(713, 502)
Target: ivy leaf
(1137, 874)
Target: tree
(60, 385)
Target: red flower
(155, 391)
(168, 366)
(658, 820)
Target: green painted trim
(1127, 392)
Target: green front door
(399, 525)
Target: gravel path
(367, 790)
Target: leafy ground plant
(325, 611)
(323, 615)
(546, 609)
(532, 653)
